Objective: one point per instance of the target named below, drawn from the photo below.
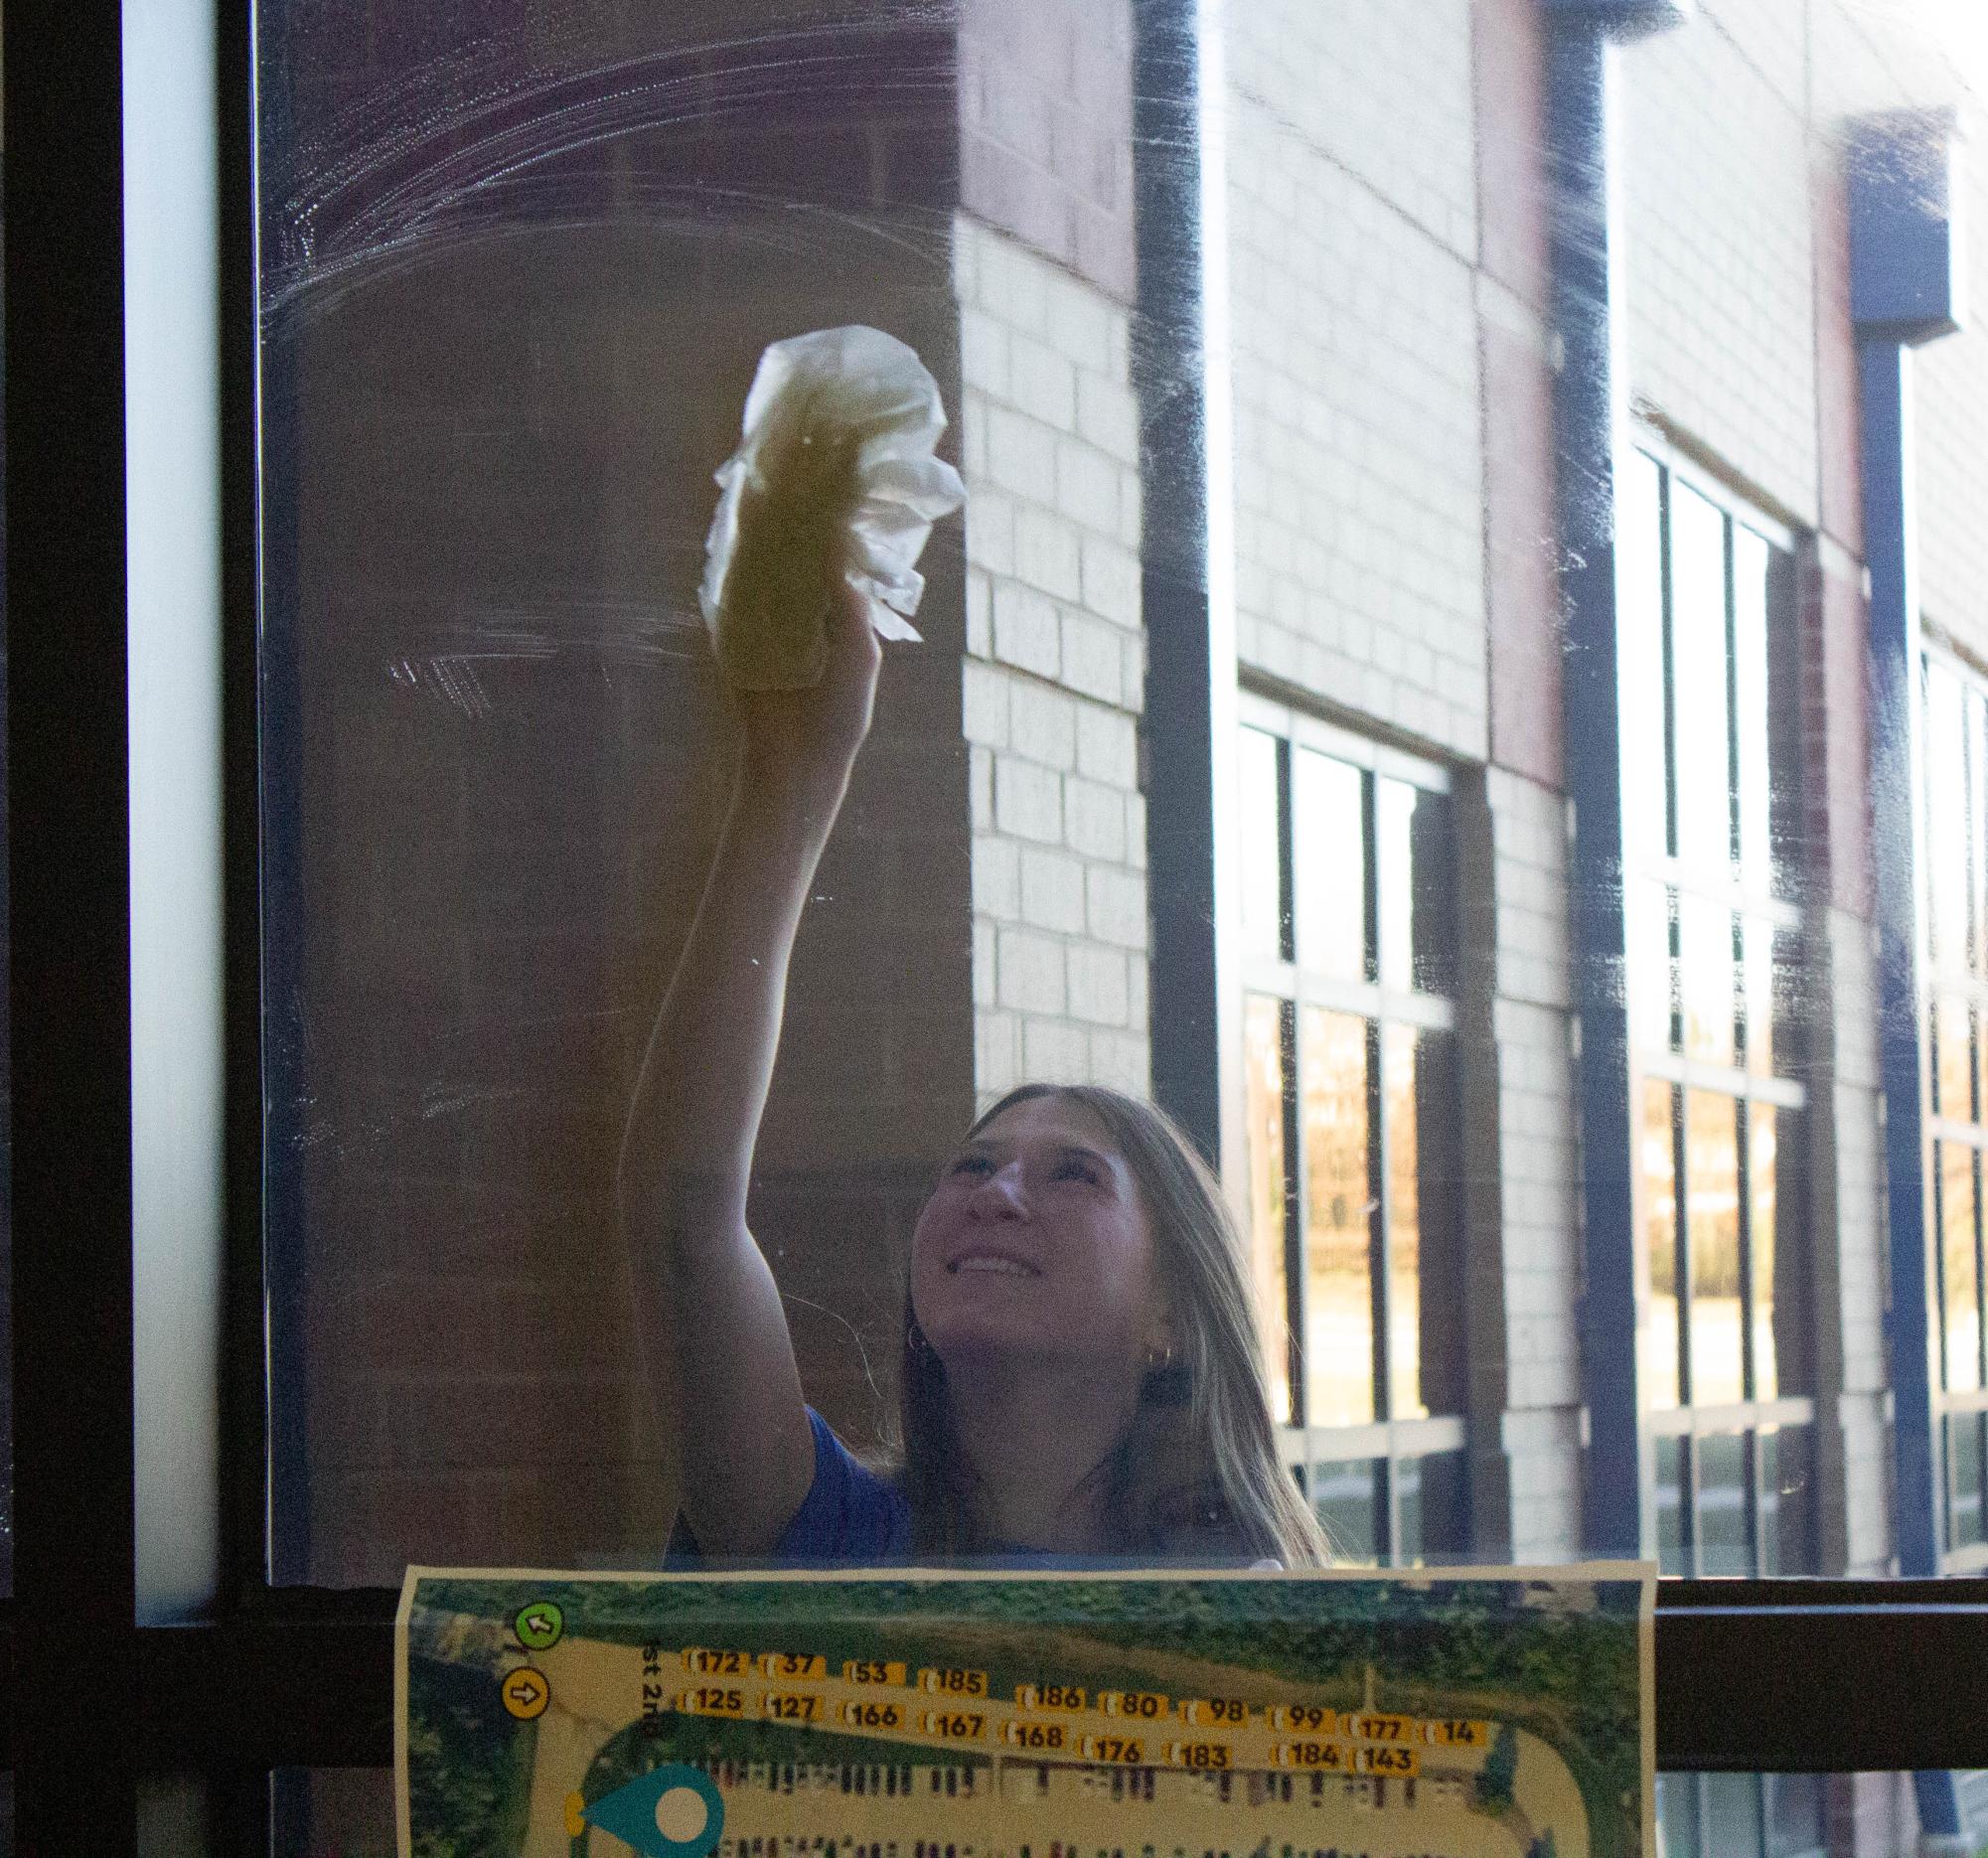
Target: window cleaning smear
(835, 474)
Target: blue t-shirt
(850, 1516)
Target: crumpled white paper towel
(835, 469)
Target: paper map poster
(1467, 1714)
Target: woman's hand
(808, 740)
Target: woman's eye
(972, 1165)
(1076, 1171)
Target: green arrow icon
(539, 1624)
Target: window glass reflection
(1953, 1058)
(1347, 1500)
(1764, 1215)
(1750, 566)
(1399, 1073)
(1339, 1305)
(1639, 566)
(1959, 1261)
(1724, 1533)
(1262, 845)
(1672, 1557)
(1699, 677)
(1263, 1073)
(1659, 1169)
(1967, 1441)
(1758, 976)
(1711, 1218)
(1330, 821)
(1948, 878)
(1705, 977)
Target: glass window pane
(1948, 879)
(1672, 1553)
(1338, 1299)
(1414, 873)
(1760, 978)
(1724, 1542)
(1712, 1215)
(1967, 1523)
(1651, 979)
(1706, 978)
(1262, 845)
(1659, 1169)
(1788, 1501)
(1639, 573)
(1750, 562)
(1346, 1497)
(1699, 678)
(1977, 809)
(1329, 809)
(1764, 1209)
(1961, 1285)
(1679, 1815)
(1797, 1815)
(1953, 1059)
(1431, 1501)
(1263, 1084)
(1404, 1223)
(1733, 1815)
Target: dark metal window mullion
(1668, 633)
(1295, 1187)
(1732, 796)
(1377, 1273)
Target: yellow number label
(710, 1700)
(717, 1663)
(1212, 1755)
(873, 1715)
(791, 1706)
(872, 1671)
(1375, 1727)
(954, 1725)
(792, 1664)
(1049, 1696)
(1145, 1705)
(1125, 1751)
(1215, 1713)
(1455, 1734)
(1378, 1759)
(953, 1683)
(1328, 1755)
(1035, 1735)
(1309, 1719)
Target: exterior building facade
(1512, 1313)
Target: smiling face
(1035, 1244)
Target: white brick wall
(1359, 477)
(1952, 394)
(1720, 307)
(1380, 88)
(1055, 672)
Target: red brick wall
(511, 761)
(1045, 130)
(1522, 592)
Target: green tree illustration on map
(1501, 1769)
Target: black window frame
(1768, 1676)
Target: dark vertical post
(1585, 415)
(1190, 622)
(70, 983)
(1901, 295)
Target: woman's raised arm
(714, 1332)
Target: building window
(1348, 957)
(1713, 952)
(1956, 899)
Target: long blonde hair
(1196, 1474)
